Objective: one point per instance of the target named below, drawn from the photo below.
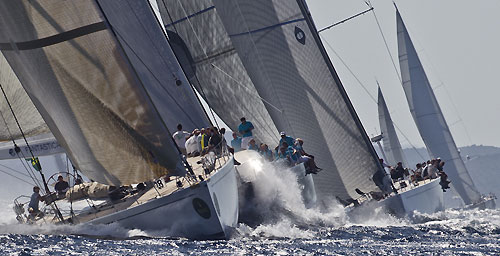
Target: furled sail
(26, 113)
(281, 51)
(427, 114)
(392, 148)
(211, 63)
(88, 86)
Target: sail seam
(55, 39)
(268, 27)
(190, 16)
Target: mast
(307, 15)
(286, 62)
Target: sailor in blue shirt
(236, 142)
(284, 138)
(245, 129)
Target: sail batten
(93, 92)
(429, 118)
(392, 147)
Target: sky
(457, 42)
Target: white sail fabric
(288, 65)
(428, 117)
(80, 80)
(209, 60)
(392, 147)
(26, 113)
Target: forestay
(26, 113)
(392, 146)
(211, 63)
(80, 79)
(288, 65)
(429, 118)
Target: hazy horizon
(455, 45)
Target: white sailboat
(423, 196)
(430, 121)
(105, 81)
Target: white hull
(208, 210)
(425, 198)
(487, 202)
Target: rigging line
(154, 76)
(17, 121)
(26, 141)
(29, 171)
(249, 93)
(16, 171)
(192, 28)
(344, 20)
(150, 39)
(165, 33)
(243, 86)
(13, 176)
(202, 48)
(349, 69)
(455, 108)
(399, 76)
(387, 47)
(369, 94)
(262, 64)
(208, 58)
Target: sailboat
(422, 196)
(108, 86)
(431, 124)
(275, 72)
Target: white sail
(90, 87)
(428, 117)
(392, 147)
(281, 51)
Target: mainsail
(25, 111)
(282, 54)
(427, 114)
(392, 147)
(212, 65)
(90, 82)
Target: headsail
(211, 63)
(427, 114)
(392, 147)
(281, 51)
(91, 91)
(25, 111)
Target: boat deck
(158, 188)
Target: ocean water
(291, 229)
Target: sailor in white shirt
(180, 137)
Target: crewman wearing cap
(284, 138)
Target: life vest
(203, 141)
